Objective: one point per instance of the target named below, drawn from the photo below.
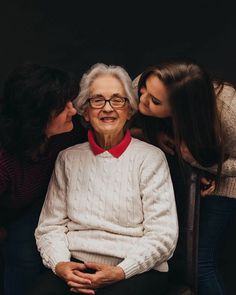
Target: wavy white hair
(98, 70)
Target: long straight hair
(195, 118)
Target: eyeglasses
(116, 102)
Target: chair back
(183, 264)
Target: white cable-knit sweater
(118, 211)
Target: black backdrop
(75, 34)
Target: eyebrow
(101, 95)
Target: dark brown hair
(32, 94)
(195, 118)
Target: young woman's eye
(155, 100)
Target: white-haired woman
(109, 223)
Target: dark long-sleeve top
(24, 182)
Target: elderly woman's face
(107, 119)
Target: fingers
(205, 181)
(79, 285)
(82, 275)
(208, 186)
(92, 265)
(78, 279)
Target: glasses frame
(109, 101)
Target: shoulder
(74, 149)
(226, 103)
(146, 150)
(227, 95)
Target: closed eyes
(155, 100)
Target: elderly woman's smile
(108, 119)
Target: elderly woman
(109, 223)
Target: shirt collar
(116, 151)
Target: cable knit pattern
(226, 102)
(119, 211)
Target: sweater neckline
(115, 151)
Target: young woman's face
(154, 99)
(62, 122)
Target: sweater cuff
(53, 261)
(129, 267)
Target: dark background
(75, 34)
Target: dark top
(23, 183)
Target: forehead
(156, 87)
(106, 84)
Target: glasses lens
(97, 102)
(117, 102)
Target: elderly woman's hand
(72, 273)
(103, 275)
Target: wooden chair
(183, 264)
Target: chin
(68, 129)
(143, 110)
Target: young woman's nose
(142, 90)
(143, 98)
(71, 108)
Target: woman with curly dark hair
(36, 113)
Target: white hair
(98, 70)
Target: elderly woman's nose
(107, 107)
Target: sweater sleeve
(228, 167)
(51, 232)
(160, 225)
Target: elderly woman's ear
(85, 115)
(130, 114)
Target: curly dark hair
(32, 93)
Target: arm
(52, 227)
(228, 167)
(160, 225)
